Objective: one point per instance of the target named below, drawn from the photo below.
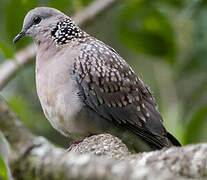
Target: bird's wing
(110, 87)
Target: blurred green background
(165, 42)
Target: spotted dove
(85, 87)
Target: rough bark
(97, 157)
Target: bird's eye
(37, 20)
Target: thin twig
(9, 68)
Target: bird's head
(42, 22)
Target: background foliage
(165, 42)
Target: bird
(85, 87)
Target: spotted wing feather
(110, 87)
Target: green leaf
(3, 169)
(194, 126)
(196, 58)
(60, 5)
(70, 6)
(175, 3)
(6, 50)
(147, 30)
(86, 2)
(197, 94)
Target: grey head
(45, 22)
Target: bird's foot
(74, 144)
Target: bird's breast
(58, 95)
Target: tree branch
(11, 66)
(34, 157)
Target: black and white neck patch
(66, 30)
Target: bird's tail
(173, 140)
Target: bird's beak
(19, 36)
